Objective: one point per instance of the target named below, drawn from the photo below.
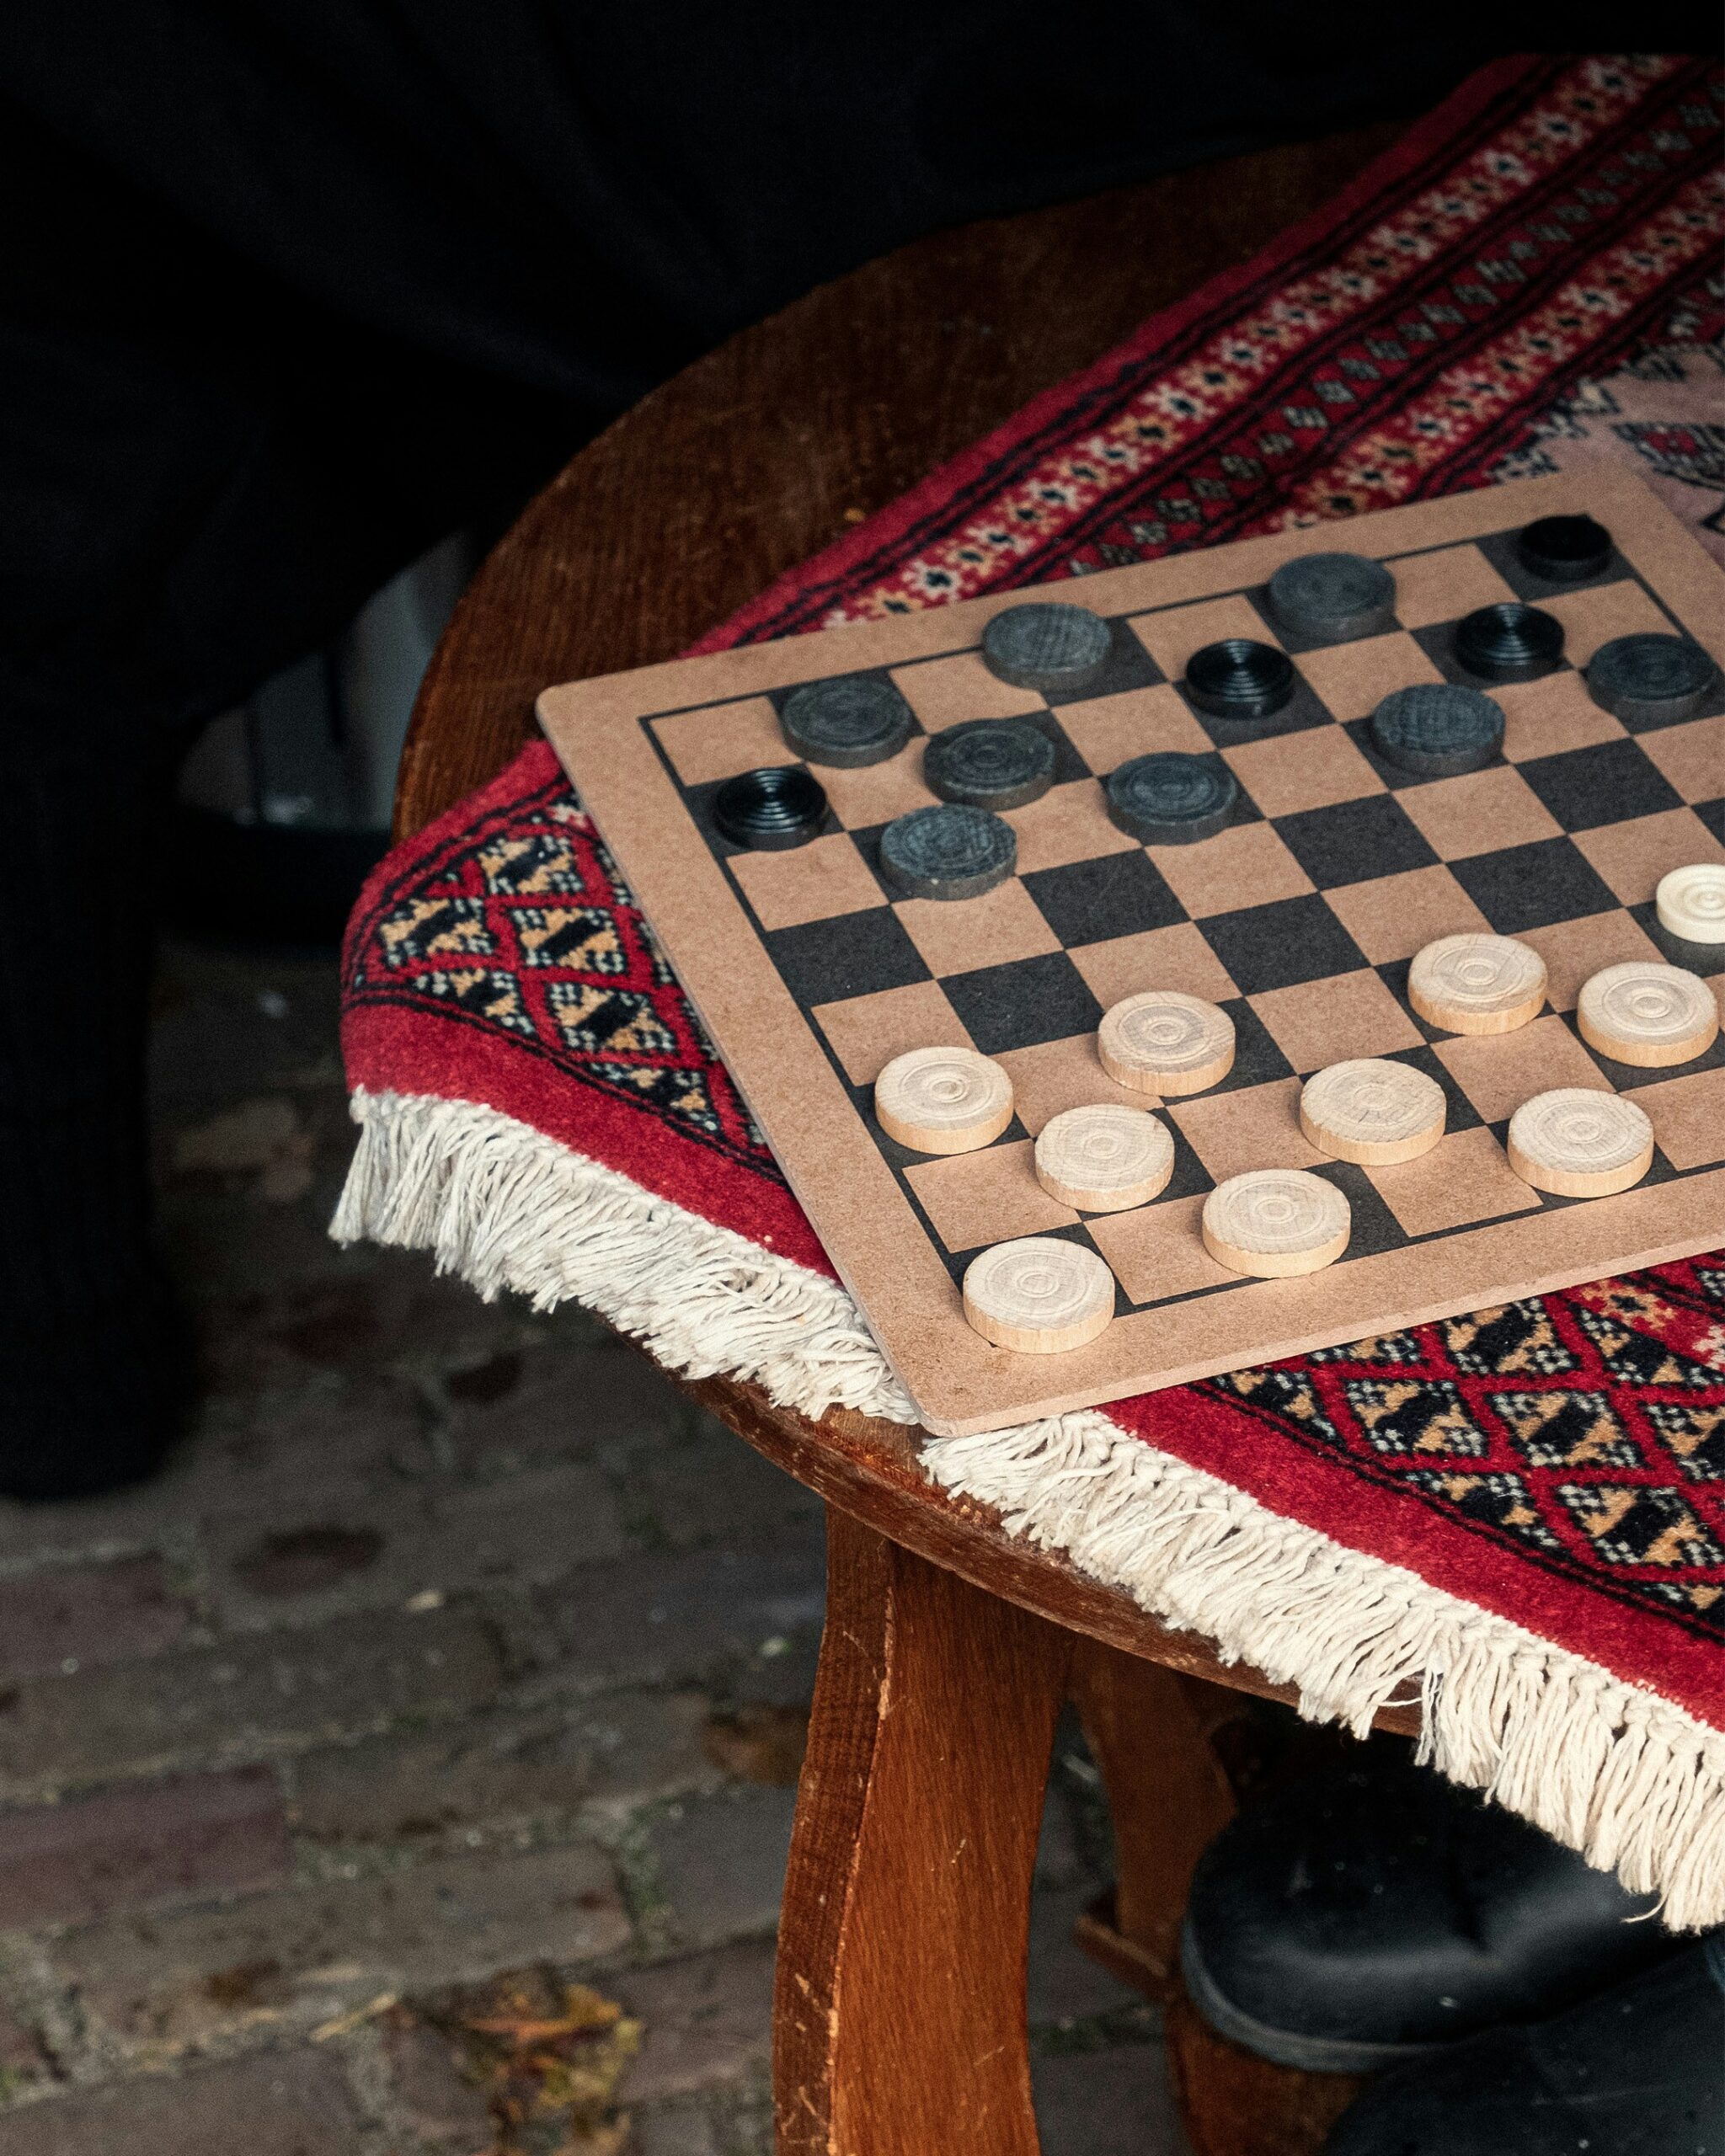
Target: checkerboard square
(1688, 1116)
(1157, 1250)
(1355, 841)
(1574, 950)
(1255, 1128)
(1444, 584)
(1325, 1021)
(875, 794)
(867, 1032)
(1328, 768)
(1163, 958)
(1603, 611)
(1479, 812)
(1018, 1005)
(1692, 756)
(1393, 916)
(957, 935)
(1499, 1071)
(1353, 679)
(1607, 784)
(806, 883)
(1108, 730)
(976, 1198)
(1466, 1177)
(1060, 1075)
(1526, 886)
(1121, 893)
(1632, 856)
(1173, 635)
(1129, 665)
(1247, 859)
(722, 740)
(852, 954)
(1276, 945)
(945, 692)
(1070, 823)
(1544, 718)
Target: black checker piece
(1532, 886)
(1049, 646)
(1437, 729)
(1335, 597)
(772, 809)
(947, 853)
(852, 720)
(1651, 680)
(1239, 678)
(1564, 549)
(1509, 642)
(989, 763)
(1607, 784)
(1170, 799)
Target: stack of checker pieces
(1298, 918)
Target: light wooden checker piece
(1372, 1111)
(1575, 1142)
(943, 1100)
(1290, 922)
(1644, 1013)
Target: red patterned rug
(1523, 1511)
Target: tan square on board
(1000, 926)
(947, 691)
(1465, 1177)
(1247, 858)
(867, 1032)
(1324, 767)
(1393, 916)
(1173, 637)
(1480, 811)
(1499, 1071)
(1175, 957)
(1543, 717)
(1573, 950)
(1631, 857)
(1106, 730)
(1157, 1250)
(874, 793)
(1056, 1076)
(1445, 585)
(1257, 1127)
(1688, 1116)
(1325, 1021)
(807, 882)
(722, 740)
(1351, 680)
(1593, 617)
(989, 1197)
(1691, 756)
(1070, 823)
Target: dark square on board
(1354, 841)
(1277, 945)
(1608, 783)
(1110, 894)
(1372, 1228)
(851, 954)
(1023, 1003)
(1531, 886)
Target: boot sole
(1284, 2046)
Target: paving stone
(1108, 2103)
(547, 1400)
(626, 1748)
(145, 1841)
(1066, 1985)
(676, 2130)
(706, 1486)
(708, 2021)
(305, 1954)
(721, 1861)
(246, 1695)
(293, 2103)
(429, 2095)
(87, 1614)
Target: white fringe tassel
(1629, 1780)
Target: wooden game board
(1300, 919)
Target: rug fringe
(1617, 1773)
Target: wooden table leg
(899, 2019)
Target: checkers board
(1300, 919)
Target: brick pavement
(453, 1663)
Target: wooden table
(949, 1646)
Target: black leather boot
(1365, 1917)
(1638, 2071)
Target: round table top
(746, 463)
